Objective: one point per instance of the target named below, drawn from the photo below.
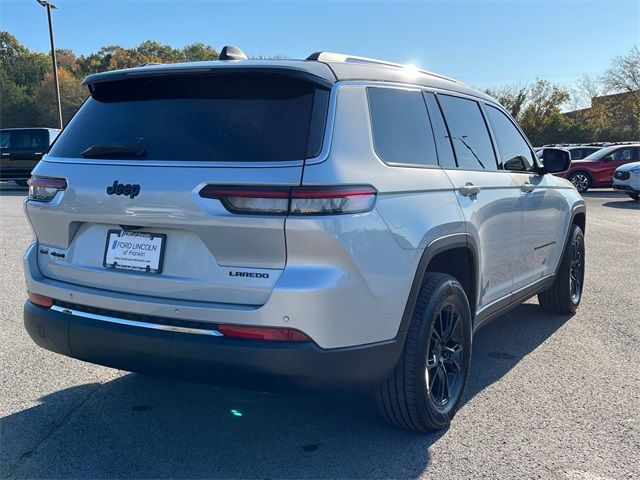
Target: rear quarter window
(217, 117)
(401, 128)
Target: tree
(542, 119)
(624, 73)
(197, 52)
(21, 71)
(587, 87)
(72, 94)
(512, 97)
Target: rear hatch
(136, 157)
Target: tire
(581, 180)
(634, 196)
(22, 183)
(412, 396)
(566, 292)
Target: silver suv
(329, 222)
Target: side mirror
(515, 163)
(608, 158)
(555, 160)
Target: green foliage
(72, 94)
(541, 119)
(537, 108)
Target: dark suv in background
(582, 151)
(20, 151)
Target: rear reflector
(43, 189)
(293, 200)
(263, 333)
(40, 300)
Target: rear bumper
(250, 364)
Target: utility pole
(49, 6)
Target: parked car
(597, 169)
(20, 151)
(579, 152)
(332, 222)
(627, 179)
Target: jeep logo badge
(130, 189)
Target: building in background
(619, 112)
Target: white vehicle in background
(627, 179)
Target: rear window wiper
(115, 150)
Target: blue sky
(483, 43)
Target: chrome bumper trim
(134, 323)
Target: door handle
(527, 187)
(469, 189)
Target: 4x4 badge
(131, 189)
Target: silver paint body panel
(343, 280)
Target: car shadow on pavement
(501, 344)
(626, 204)
(142, 427)
(607, 193)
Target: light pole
(49, 6)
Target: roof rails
(342, 58)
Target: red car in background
(597, 169)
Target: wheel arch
(578, 217)
(456, 255)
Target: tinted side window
(514, 150)
(443, 143)
(623, 154)
(576, 154)
(25, 140)
(469, 133)
(401, 129)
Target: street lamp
(49, 6)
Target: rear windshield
(24, 139)
(220, 118)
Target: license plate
(134, 251)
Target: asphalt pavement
(550, 396)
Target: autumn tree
(542, 117)
(512, 97)
(72, 94)
(21, 71)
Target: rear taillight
(40, 300)
(43, 189)
(293, 200)
(263, 333)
